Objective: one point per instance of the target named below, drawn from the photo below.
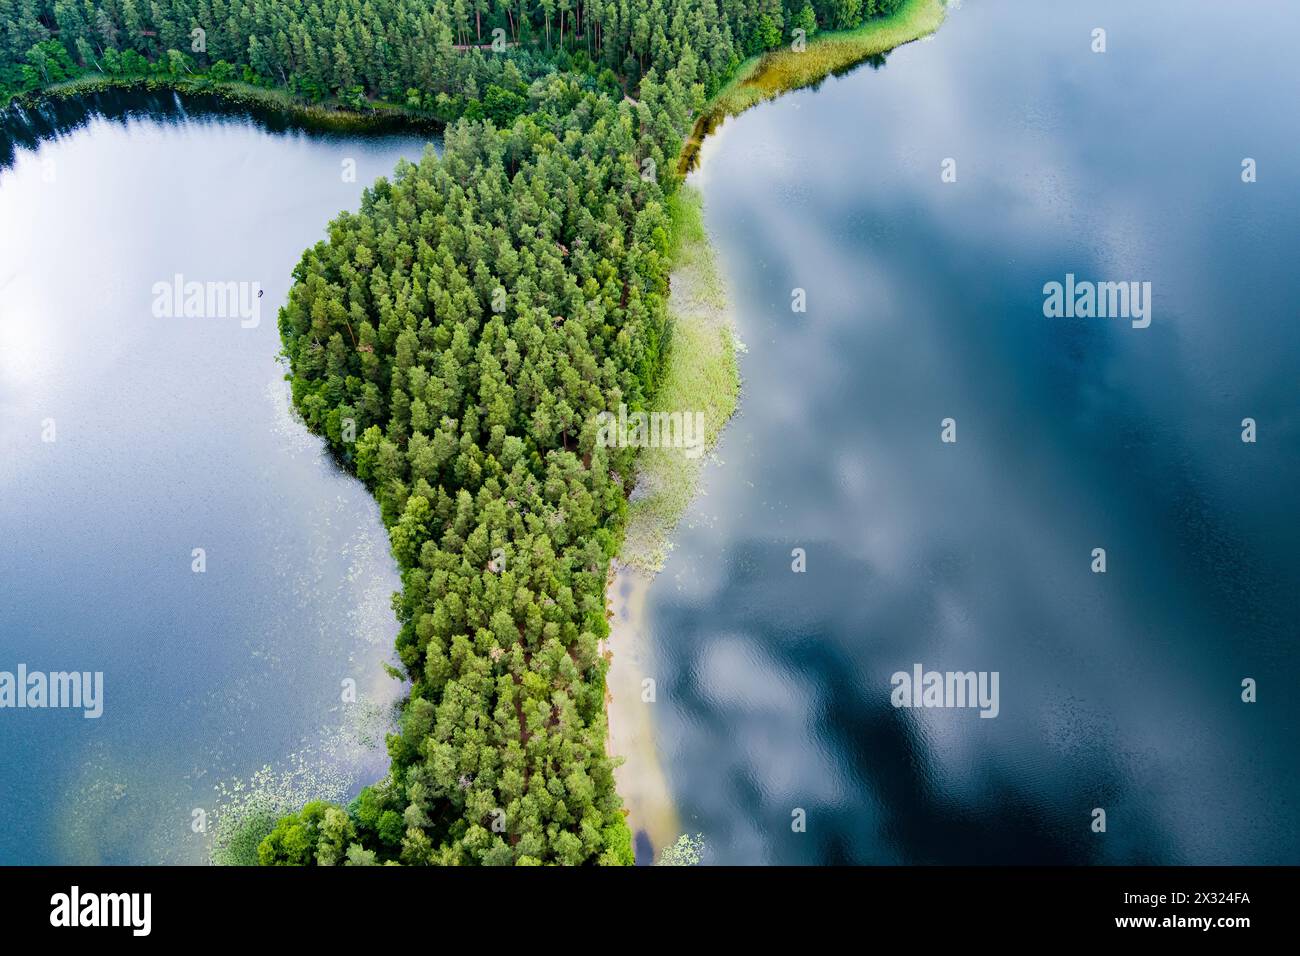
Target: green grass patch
(701, 375)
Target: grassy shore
(702, 375)
(779, 71)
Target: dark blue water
(1119, 691)
(223, 690)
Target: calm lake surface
(1119, 691)
(169, 435)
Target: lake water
(129, 440)
(1119, 691)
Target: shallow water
(170, 435)
(1119, 691)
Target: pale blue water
(171, 435)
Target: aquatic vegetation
(701, 374)
(685, 852)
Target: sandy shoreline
(641, 780)
(702, 376)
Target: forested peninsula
(455, 339)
